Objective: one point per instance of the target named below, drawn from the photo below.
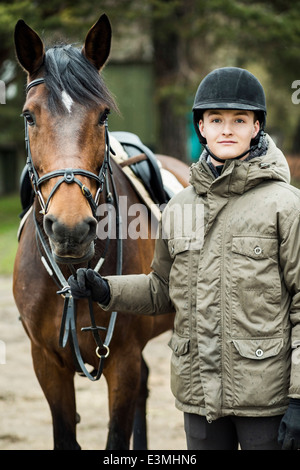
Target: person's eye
(240, 121)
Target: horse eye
(29, 118)
(104, 116)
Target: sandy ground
(25, 422)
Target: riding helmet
(229, 88)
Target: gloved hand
(289, 429)
(89, 283)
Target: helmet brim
(222, 105)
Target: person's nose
(227, 130)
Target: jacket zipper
(223, 298)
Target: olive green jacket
(230, 267)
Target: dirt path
(25, 422)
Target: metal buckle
(42, 202)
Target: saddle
(144, 165)
(141, 160)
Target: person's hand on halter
(88, 283)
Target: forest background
(180, 41)
(161, 50)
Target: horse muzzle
(71, 245)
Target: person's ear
(256, 129)
(201, 128)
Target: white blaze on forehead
(67, 100)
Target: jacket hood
(240, 176)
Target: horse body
(73, 136)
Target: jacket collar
(240, 176)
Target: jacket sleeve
(290, 262)
(141, 293)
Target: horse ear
(29, 48)
(97, 42)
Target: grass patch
(10, 208)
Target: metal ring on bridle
(69, 176)
(102, 355)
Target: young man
(231, 273)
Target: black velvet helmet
(229, 88)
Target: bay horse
(67, 140)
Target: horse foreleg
(123, 383)
(57, 383)
(140, 422)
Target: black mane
(67, 69)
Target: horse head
(65, 113)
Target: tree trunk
(296, 140)
(169, 83)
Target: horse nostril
(92, 224)
(83, 232)
(49, 221)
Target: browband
(35, 82)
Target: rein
(68, 323)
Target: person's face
(228, 132)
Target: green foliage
(10, 209)
(198, 35)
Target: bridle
(68, 324)
(68, 174)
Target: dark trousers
(230, 432)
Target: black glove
(289, 429)
(89, 283)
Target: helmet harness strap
(253, 147)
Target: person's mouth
(227, 142)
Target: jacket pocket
(260, 372)
(180, 253)
(180, 368)
(258, 349)
(182, 281)
(255, 285)
(255, 247)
